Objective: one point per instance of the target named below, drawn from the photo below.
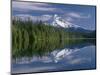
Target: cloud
(27, 69)
(27, 6)
(76, 61)
(69, 19)
(46, 17)
(26, 17)
(78, 15)
(79, 60)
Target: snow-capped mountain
(68, 26)
(60, 22)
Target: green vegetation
(30, 38)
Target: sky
(81, 15)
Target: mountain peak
(60, 22)
(57, 21)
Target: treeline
(26, 33)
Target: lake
(79, 56)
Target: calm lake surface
(72, 57)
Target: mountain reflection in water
(54, 56)
(71, 57)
